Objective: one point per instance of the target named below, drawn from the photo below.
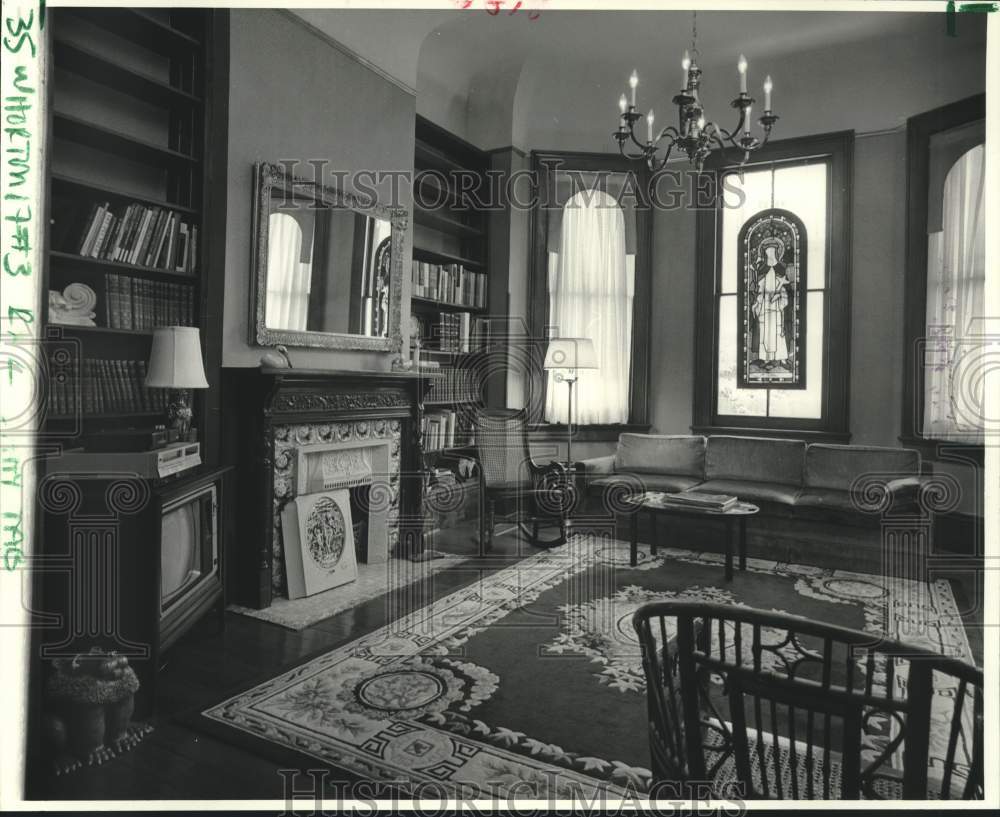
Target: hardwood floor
(177, 761)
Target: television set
(190, 558)
(189, 545)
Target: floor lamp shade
(570, 353)
(175, 360)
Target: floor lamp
(567, 356)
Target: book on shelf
(101, 386)
(136, 303)
(449, 283)
(456, 385)
(138, 234)
(443, 429)
(453, 332)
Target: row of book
(155, 237)
(458, 332)
(135, 303)
(456, 385)
(450, 283)
(105, 386)
(441, 430)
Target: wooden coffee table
(735, 520)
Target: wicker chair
(754, 704)
(510, 481)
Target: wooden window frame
(919, 131)
(538, 305)
(833, 423)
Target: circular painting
(325, 529)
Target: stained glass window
(772, 292)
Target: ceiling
(472, 70)
(393, 39)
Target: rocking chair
(511, 481)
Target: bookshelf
(134, 95)
(450, 292)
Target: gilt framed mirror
(327, 266)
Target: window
(590, 277)
(288, 286)
(591, 287)
(770, 356)
(946, 265)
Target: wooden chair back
(790, 708)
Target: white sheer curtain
(591, 286)
(288, 278)
(956, 278)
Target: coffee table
(735, 520)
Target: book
(94, 221)
(102, 231)
(696, 499)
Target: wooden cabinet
(133, 563)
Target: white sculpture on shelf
(74, 305)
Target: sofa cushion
(756, 459)
(778, 492)
(661, 454)
(647, 482)
(826, 498)
(837, 466)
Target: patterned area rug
(373, 580)
(528, 682)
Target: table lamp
(570, 355)
(175, 364)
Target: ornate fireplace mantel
(281, 413)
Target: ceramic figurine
(88, 718)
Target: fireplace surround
(298, 431)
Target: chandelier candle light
(696, 136)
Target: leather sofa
(840, 506)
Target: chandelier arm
(633, 157)
(742, 121)
(638, 144)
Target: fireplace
(303, 432)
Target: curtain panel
(591, 286)
(956, 280)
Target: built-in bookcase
(130, 154)
(449, 279)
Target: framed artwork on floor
(319, 542)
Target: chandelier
(696, 136)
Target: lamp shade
(570, 353)
(175, 360)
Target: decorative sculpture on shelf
(89, 704)
(276, 358)
(74, 306)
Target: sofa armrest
(875, 493)
(904, 486)
(599, 465)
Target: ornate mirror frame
(267, 177)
